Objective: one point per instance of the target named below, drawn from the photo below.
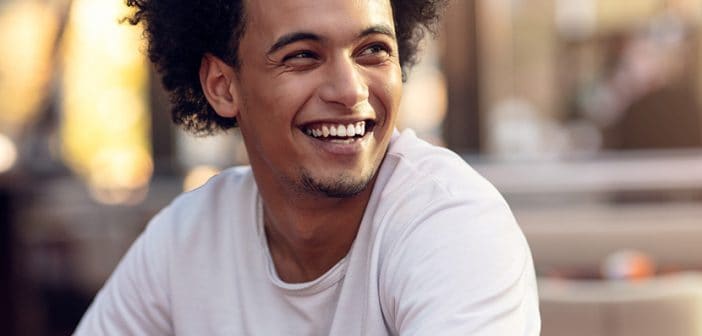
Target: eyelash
(300, 54)
(380, 47)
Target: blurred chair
(662, 306)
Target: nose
(344, 83)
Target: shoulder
(225, 196)
(450, 244)
(438, 212)
(417, 163)
(232, 182)
(425, 185)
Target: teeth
(350, 130)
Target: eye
(375, 53)
(376, 49)
(300, 60)
(300, 55)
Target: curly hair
(180, 32)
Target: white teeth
(350, 130)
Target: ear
(218, 81)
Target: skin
(307, 63)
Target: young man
(341, 225)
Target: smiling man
(341, 225)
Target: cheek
(394, 90)
(269, 111)
(387, 90)
(266, 105)
(287, 97)
(258, 121)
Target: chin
(340, 186)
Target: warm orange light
(197, 176)
(8, 153)
(27, 32)
(628, 265)
(105, 129)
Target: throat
(306, 237)
(304, 263)
(306, 252)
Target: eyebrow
(302, 36)
(292, 38)
(378, 29)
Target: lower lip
(342, 148)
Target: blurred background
(586, 114)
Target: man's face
(319, 85)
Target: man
(341, 225)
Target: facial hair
(343, 186)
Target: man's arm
(134, 301)
(462, 269)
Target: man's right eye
(300, 60)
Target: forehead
(270, 19)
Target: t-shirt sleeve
(134, 300)
(461, 269)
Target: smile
(339, 131)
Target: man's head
(180, 32)
(314, 85)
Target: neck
(307, 235)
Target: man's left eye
(375, 49)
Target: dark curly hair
(180, 32)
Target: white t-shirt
(438, 252)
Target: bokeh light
(105, 130)
(197, 176)
(8, 153)
(27, 31)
